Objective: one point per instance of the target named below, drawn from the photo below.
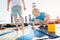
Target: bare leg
(46, 20)
(22, 22)
(41, 25)
(15, 19)
(38, 22)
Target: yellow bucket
(51, 28)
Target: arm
(23, 4)
(47, 16)
(47, 19)
(8, 3)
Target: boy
(41, 18)
(16, 9)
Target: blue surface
(6, 33)
(24, 38)
(38, 34)
(50, 35)
(34, 33)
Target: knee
(46, 19)
(21, 17)
(40, 23)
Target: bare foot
(16, 29)
(22, 27)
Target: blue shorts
(16, 10)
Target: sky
(51, 7)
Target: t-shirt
(41, 16)
(15, 2)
